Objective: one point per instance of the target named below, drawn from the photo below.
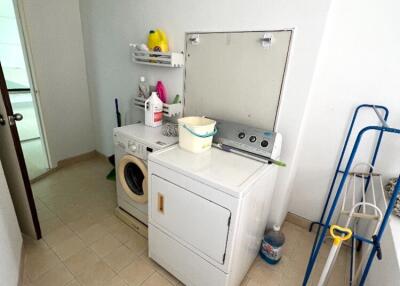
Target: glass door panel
(19, 84)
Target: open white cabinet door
(14, 166)
(236, 76)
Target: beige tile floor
(85, 244)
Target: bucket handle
(201, 135)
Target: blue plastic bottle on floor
(272, 244)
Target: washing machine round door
(132, 174)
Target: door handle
(160, 203)
(15, 117)
(2, 121)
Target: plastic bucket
(196, 133)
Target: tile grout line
(155, 271)
(64, 223)
(159, 272)
(87, 246)
(59, 258)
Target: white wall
(359, 62)
(109, 27)
(10, 237)
(55, 39)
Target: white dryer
(132, 144)
(207, 213)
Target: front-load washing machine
(132, 144)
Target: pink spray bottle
(161, 91)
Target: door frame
(20, 155)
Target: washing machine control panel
(137, 149)
(132, 147)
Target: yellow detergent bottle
(158, 41)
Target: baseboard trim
(305, 223)
(48, 172)
(298, 220)
(21, 266)
(101, 155)
(76, 159)
(68, 162)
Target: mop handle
(343, 235)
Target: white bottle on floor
(153, 111)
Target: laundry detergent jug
(157, 41)
(272, 244)
(153, 111)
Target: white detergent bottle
(153, 111)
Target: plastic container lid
(142, 79)
(276, 227)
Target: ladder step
(362, 174)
